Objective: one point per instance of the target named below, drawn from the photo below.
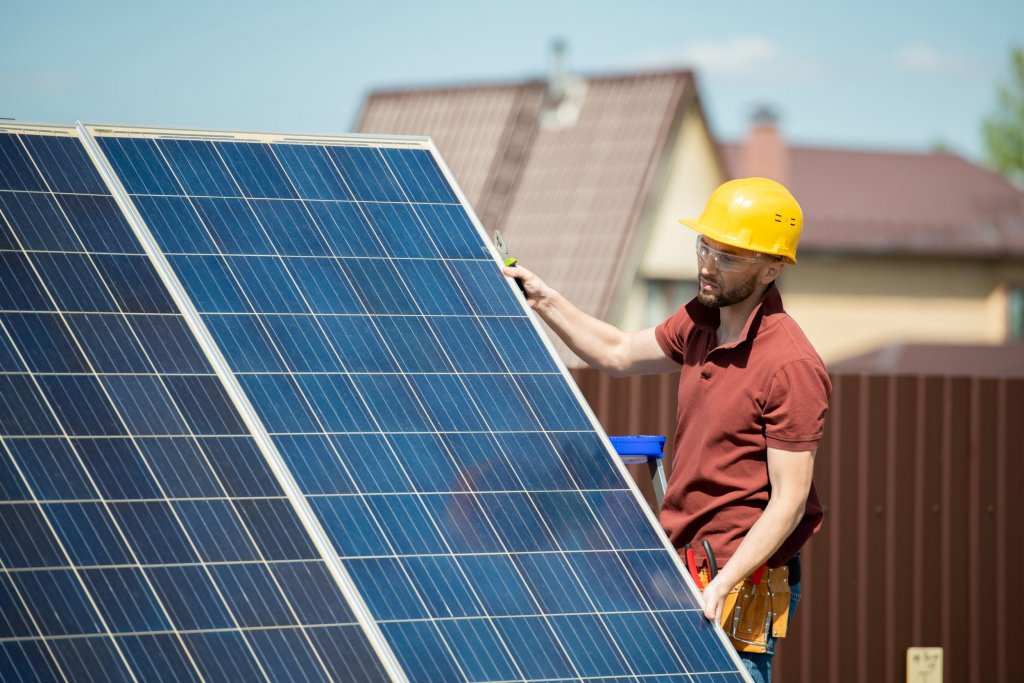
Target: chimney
(764, 151)
(564, 94)
(557, 74)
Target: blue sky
(878, 75)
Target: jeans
(759, 664)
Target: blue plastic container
(638, 449)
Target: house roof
(971, 360)
(568, 198)
(936, 204)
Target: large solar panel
(271, 412)
(144, 536)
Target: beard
(727, 297)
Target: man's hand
(714, 598)
(534, 288)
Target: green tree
(1004, 129)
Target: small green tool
(507, 257)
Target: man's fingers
(713, 612)
(528, 281)
(709, 609)
(714, 604)
(516, 271)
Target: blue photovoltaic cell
(123, 464)
(430, 433)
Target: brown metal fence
(923, 543)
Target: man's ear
(773, 271)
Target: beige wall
(848, 306)
(691, 177)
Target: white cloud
(731, 56)
(746, 58)
(921, 58)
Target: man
(752, 396)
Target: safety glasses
(724, 261)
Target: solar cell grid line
(130, 649)
(386, 190)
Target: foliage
(1004, 130)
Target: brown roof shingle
(889, 202)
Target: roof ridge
(533, 81)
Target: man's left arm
(790, 474)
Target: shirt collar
(708, 318)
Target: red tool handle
(691, 565)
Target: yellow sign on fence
(924, 665)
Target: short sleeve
(797, 399)
(671, 334)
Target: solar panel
(145, 537)
(270, 411)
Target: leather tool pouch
(752, 611)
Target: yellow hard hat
(752, 213)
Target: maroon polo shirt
(769, 388)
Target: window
(664, 297)
(1015, 313)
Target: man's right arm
(598, 343)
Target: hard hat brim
(719, 236)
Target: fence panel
(922, 479)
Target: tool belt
(756, 607)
